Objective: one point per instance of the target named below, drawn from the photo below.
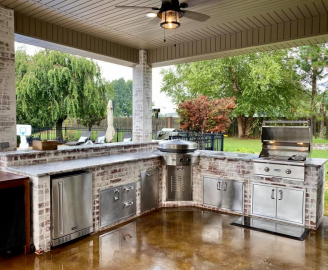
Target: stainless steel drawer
(128, 208)
(128, 192)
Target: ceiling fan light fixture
(151, 14)
(170, 19)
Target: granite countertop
(78, 164)
(75, 148)
(228, 155)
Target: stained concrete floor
(184, 238)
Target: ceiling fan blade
(155, 21)
(194, 3)
(196, 16)
(137, 7)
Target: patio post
(8, 139)
(142, 100)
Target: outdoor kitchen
(280, 192)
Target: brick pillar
(142, 100)
(7, 81)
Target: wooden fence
(126, 123)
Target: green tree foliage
(122, 97)
(52, 86)
(203, 114)
(263, 84)
(311, 65)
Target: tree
(263, 84)
(122, 97)
(203, 114)
(54, 85)
(311, 64)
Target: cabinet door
(264, 201)
(212, 191)
(109, 206)
(290, 205)
(232, 195)
(149, 190)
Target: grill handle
(272, 194)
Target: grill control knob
(189, 160)
(266, 169)
(288, 171)
(181, 159)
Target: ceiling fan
(171, 11)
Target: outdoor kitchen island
(121, 165)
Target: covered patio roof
(95, 28)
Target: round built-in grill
(177, 146)
(179, 153)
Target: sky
(113, 72)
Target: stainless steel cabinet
(285, 204)
(264, 201)
(117, 203)
(290, 205)
(149, 190)
(223, 193)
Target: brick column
(7, 81)
(142, 100)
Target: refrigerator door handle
(60, 208)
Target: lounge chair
(85, 136)
(127, 137)
(101, 137)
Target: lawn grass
(235, 145)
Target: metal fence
(205, 141)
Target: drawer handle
(225, 186)
(281, 195)
(219, 186)
(126, 237)
(116, 194)
(128, 188)
(272, 194)
(127, 204)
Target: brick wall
(7, 81)
(40, 157)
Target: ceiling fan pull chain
(175, 37)
(164, 35)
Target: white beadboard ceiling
(101, 19)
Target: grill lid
(286, 142)
(177, 146)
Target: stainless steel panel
(233, 195)
(264, 201)
(212, 191)
(179, 183)
(286, 133)
(69, 237)
(279, 170)
(71, 204)
(109, 206)
(128, 208)
(290, 205)
(149, 190)
(128, 192)
(187, 159)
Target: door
(179, 183)
(290, 205)
(232, 195)
(264, 201)
(109, 206)
(71, 204)
(149, 190)
(212, 191)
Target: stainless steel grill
(179, 156)
(284, 150)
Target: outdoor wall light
(170, 19)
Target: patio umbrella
(110, 133)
